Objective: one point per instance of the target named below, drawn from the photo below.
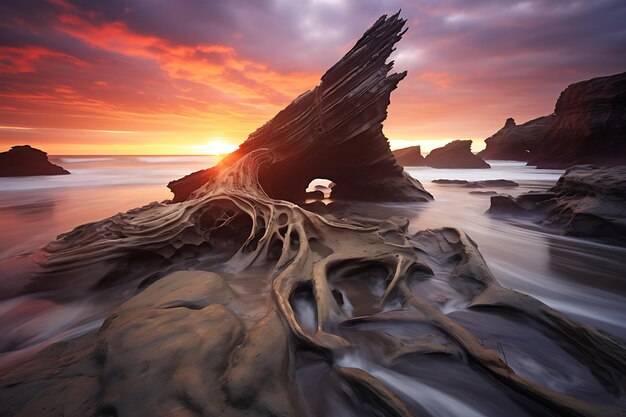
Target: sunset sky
(192, 76)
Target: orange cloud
(14, 60)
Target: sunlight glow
(216, 146)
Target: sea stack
(334, 132)
(516, 142)
(22, 161)
(456, 154)
(589, 126)
(409, 157)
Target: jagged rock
(411, 156)
(589, 126)
(586, 201)
(333, 132)
(499, 183)
(21, 161)
(516, 142)
(456, 154)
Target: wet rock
(587, 201)
(516, 142)
(500, 183)
(21, 161)
(504, 204)
(589, 126)
(411, 156)
(483, 192)
(333, 131)
(456, 154)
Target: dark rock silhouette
(516, 142)
(589, 126)
(456, 154)
(409, 157)
(479, 184)
(21, 161)
(333, 132)
(587, 201)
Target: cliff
(589, 126)
(516, 142)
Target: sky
(197, 76)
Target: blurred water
(582, 278)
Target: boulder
(411, 156)
(456, 154)
(22, 161)
(516, 142)
(589, 126)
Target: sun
(217, 147)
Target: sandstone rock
(589, 126)
(21, 161)
(333, 132)
(411, 156)
(516, 142)
(456, 154)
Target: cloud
(191, 68)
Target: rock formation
(21, 161)
(586, 201)
(409, 157)
(500, 183)
(456, 154)
(333, 132)
(589, 126)
(516, 142)
(288, 341)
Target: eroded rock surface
(411, 156)
(21, 161)
(284, 312)
(456, 154)
(516, 142)
(587, 201)
(333, 132)
(589, 126)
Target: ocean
(581, 278)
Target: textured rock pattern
(333, 132)
(589, 126)
(587, 201)
(456, 154)
(24, 160)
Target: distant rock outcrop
(456, 154)
(409, 157)
(586, 201)
(333, 132)
(21, 161)
(516, 142)
(499, 183)
(589, 126)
